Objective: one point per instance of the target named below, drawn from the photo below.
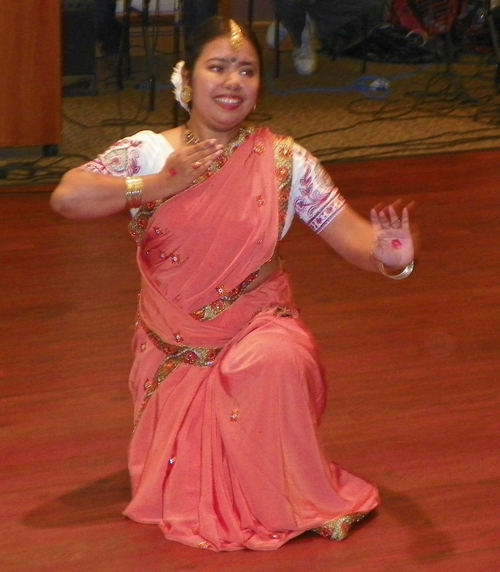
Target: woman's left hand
(394, 246)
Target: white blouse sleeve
(313, 197)
(144, 153)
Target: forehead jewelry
(235, 36)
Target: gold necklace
(219, 162)
(243, 134)
(189, 138)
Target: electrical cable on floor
(455, 99)
(370, 86)
(42, 169)
(445, 95)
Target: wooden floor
(413, 370)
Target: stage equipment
(78, 37)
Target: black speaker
(79, 58)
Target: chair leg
(276, 47)
(149, 54)
(178, 31)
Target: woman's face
(225, 84)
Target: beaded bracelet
(133, 194)
(401, 276)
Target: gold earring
(186, 93)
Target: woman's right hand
(187, 163)
(83, 194)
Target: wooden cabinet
(30, 73)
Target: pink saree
(227, 388)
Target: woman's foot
(339, 528)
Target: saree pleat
(226, 456)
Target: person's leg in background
(108, 29)
(293, 15)
(196, 12)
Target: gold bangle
(133, 194)
(401, 276)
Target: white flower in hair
(176, 80)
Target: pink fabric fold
(227, 457)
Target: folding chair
(151, 15)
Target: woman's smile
(228, 102)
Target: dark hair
(212, 29)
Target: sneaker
(308, 33)
(305, 58)
(271, 31)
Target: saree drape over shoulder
(227, 388)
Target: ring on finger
(196, 165)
